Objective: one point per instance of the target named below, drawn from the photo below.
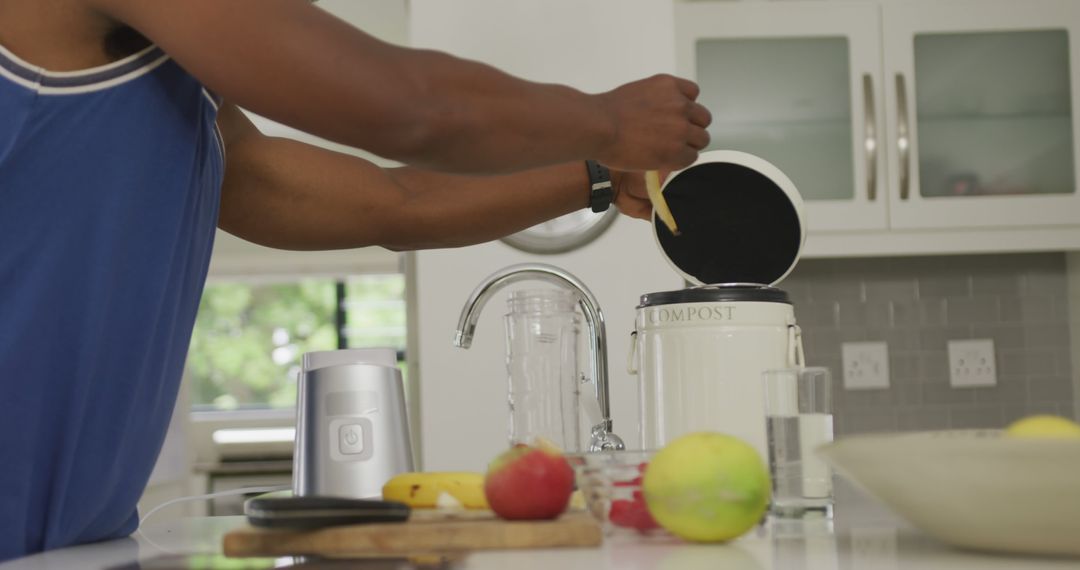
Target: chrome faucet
(602, 437)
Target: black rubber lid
(736, 225)
(717, 294)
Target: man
(118, 157)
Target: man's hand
(658, 124)
(631, 197)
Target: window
(250, 336)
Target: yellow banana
(422, 490)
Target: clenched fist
(657, 124)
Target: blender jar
(542, 332)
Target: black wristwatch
(601, 193)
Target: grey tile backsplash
(916, 305)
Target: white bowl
(973, 488)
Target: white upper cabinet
(979, 98)
(798, 85)
(901, 117)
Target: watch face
(564, 233)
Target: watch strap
(601, 193)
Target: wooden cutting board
(424, 533)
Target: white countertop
(862, 536)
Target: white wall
(1072, 284)
(594, 46)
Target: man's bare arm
(289, 195)
(291, 61)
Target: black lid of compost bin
(736, 224)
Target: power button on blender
(351, 439)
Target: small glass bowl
(610, 482)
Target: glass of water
(798, 419)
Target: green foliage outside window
(249, 338)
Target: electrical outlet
(866, 365)
(971, 363)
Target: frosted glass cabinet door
(797, 84)
(981, 109)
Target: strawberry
(632, 514)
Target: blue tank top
(110, 181)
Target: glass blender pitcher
(544, 383)
(542, 366)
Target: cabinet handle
(870, 136)
(903, 138)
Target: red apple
(529, 483)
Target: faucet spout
(495, 282)
(594, 319)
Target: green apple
(1044, 426)
(707, 487)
